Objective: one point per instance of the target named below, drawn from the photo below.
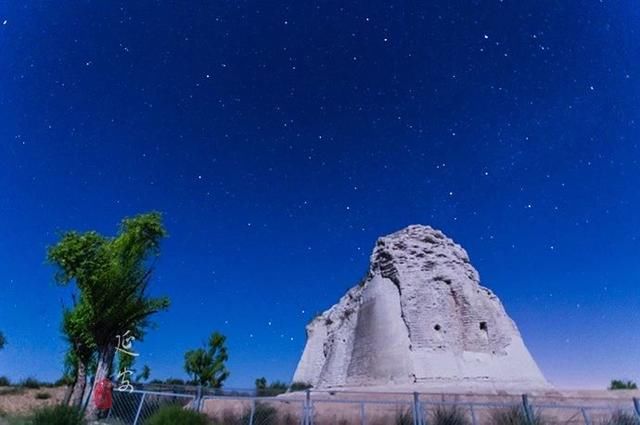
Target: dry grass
(21, 401)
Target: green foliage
(266, 390)
(43, 396)
(58, 415)
(617, 384)
(264, 414)
(3, 341)
(112, 276)
(516, 416)
(172, 415)
(82, 347)
(449, 416)
(300, 386)
(622, 418)
(4, 381)
(174, 381)
(261, 383)
(125, 362)
(144, 374)
(30, 383)
(206, 366)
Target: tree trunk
(69, 391)
(103, 371)
(79, 386)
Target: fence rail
(336, 408)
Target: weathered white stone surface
(419, 318)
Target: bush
(58, 415)
(618, 384)
(449, 416)
(300, 386)
(404, 418)
(172, 415)
(622, 418)
(516, 416)
(4, 381)
(30, 383)
(263, 415)
(43, 396)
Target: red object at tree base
(102, 398)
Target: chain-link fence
(343, 408)
(135, 407)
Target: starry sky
(281, 139)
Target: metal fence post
(417, 411)
(636, 406)
(473, 414)
(585, 416)
(253, 411)
(135, 421)
(307, 408)
(527, 408)
(363, 420)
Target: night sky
(280, 140)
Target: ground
(18, 401)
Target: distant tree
(3, 341)
(206, 366)
(112, 275)
(261, 384)
(144, 374)
(263, 389)
(617, 384)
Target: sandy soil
(18, 401)
(381, 406)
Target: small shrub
(30, 383)
(4, 381)
(300, 386)
(516, 416)
(621, 418)
(263, 415)
(449, 416)
(172, 415)
(58, 415)
(404, 417)
(43, 396)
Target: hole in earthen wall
(483, 326)
(437, 327)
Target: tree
(112, 276)
(206, 366)
(80, 354)
(3, 341)
(617, 384)
(144, 374)
(261, 384)
(273, 389)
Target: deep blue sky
(281, 139)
